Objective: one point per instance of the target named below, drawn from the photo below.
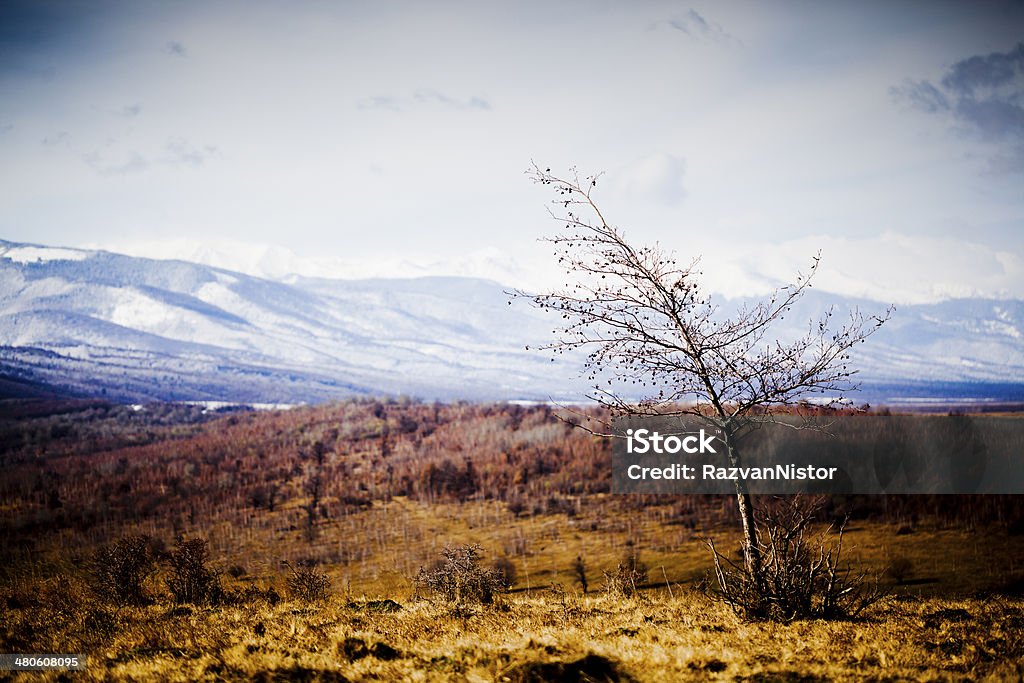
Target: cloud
(993, 119)
(181, 152)
(432, 96)
(693, 24)
(921, 95)
(983, 96)
(891, 267)
(131, 164)
(658, 178)
(115, 160)
(130, 111)
(423, 98)
(175, 49)
(1003, 164)
(55, 139)
(380, 102)
(991, 71)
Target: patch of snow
(214, 406)
(44, 254)
(1002, 328)
(135, 310)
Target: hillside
(97, 324)
(374, 489)
(366, 493)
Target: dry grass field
(366, 494)
(548, 635)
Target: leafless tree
(314, 486)
(649, 329)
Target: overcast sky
(889, 135)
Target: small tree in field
(460, 578)
(122, 569)
(191, 580)
(645, 321)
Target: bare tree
(646, 323)
(314, 486)
(580, 569)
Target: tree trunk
(751, 551)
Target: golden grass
(648, 638)
(918, 633)
(933, 627)
(542, 548)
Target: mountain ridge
(137, 329)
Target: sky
(355, 138)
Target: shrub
(307, 584)
(459, 578)
(798, 577)
(900, 569)
(191, 580)
(121, 570)
(629, 575)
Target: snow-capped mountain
(144, 329)
(275, 262)
(97, 323)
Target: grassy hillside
(368, 492)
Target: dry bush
(120, 570)
(900, 569)
(628, 577)
(307, 584)
(799, 577)
(459, 578)
(191, 580)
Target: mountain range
(94, 323)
